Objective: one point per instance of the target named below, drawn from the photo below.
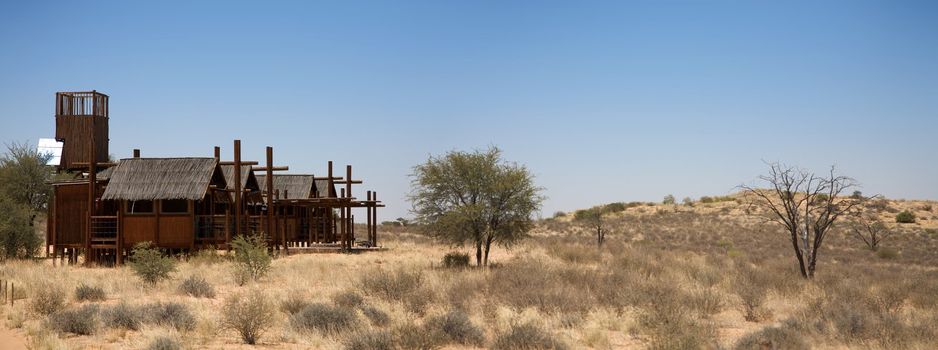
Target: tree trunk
(479, 254)
(599, 237)
(488, 246)
(794, 242)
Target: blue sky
(603, 101)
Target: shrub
(927, 207)
(89, 293)
(251, 257)
(250, 316)
(887, 253)
(707, 302)
(559, 214)
(171, 314)
(752, 294)
(198, 287)
(18, 238)
(293, 304)
(324, 318)
(164, 342)
(47, 299)
(82, 321)
(401, 285)
(348, 299)
(456, 260)
(122, 316)
(669, 199)
(455, 327)
(706, 199)
(688, 201)
(905, 217)
(372, 340)
(772, 338)
(411, 336)
(149, 263)
(526, 336)
(614, 207)
(376, 316)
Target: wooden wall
(75, 132)
(70, 214)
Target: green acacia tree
(475, 198)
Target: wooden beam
(246, 162)
(271, 168)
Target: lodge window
(140, 207)
(174, 206)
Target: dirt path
(11, 339)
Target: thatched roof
(138, 179)
(248, 180)
(323, 190)
(293, 185)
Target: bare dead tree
(806, 205)
(593, 217)
(869, 227)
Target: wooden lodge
(188, 203)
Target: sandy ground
(12, 339)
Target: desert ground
(712, 275)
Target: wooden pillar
(348, 208)
(374, 213)
(270, 196)
(342, 223)
(92, 178)
(237, 190)
(368, 217)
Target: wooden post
(92, 178)
(342, 223)
(237, 190)
(348, 208)
(374, 212)
(368, 217)
(270, 195)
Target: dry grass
(668, 277)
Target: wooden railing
(210, 229)
(104, 230)
(81, 103)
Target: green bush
(706, 199)
(688, 202)
(456, 260)
(455, 327)
(559, 214)
(614, 207)
(251, 258)
(669, 199)
(905, 217)
(164, 342)
(324, 318)
(149, 263)
(81, 321)
(198, 287)
(18, 238)
(526, 336)
(89, 293)
(250, 316)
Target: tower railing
(83, 103)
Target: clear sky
(603, 101)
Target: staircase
(104, 231)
